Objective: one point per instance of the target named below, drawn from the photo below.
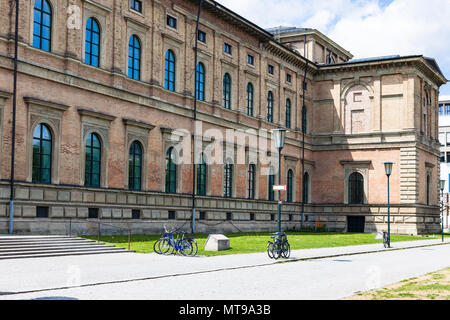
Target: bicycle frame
(174, 243)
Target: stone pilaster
(409, 175)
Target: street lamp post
(442, 186)
(388, 170)
(279, 137)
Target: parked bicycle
(168, 244)
(278, 246)
(386, 240)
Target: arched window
(288, 113)
(171, 171)
(270, 106)
(93, 161)
(42, 154)
(200, 89)
(251, 181)
(305, 187)
(250, 99)
(228, 180)
(227, 91)
(356, 188)
(170, 71)
(134, 58)
(42, 25)
(289, 185)
(92, 45)
(135, 166)
(304, 122)
(201, 177)
(271, 183)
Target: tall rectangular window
(201, 36)
(442, 139)
(250, 59)
(228, 181)
(136, 5)
(288, 78)
(270, 69)
(227, 48)
(447, 109)
(171, 22)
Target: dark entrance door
(356, 224)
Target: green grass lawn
(432, 286)
(256, 242)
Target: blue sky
(366, 28)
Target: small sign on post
(279, 188)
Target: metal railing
(99, 224)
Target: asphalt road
(136, 277)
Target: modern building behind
(106, 93)
(444, 139)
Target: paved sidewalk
(23, 275)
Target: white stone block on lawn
(217, 242)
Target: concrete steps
(14, 247)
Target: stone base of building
(82, 211)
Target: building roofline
(268, 37)
(429, 62)
(312, 31)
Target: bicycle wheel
(185, 247)
(269, 249)
(165, 247)
(194, 247)
(276, 251)
(156, 246)
(285, 250)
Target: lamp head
(442, 185)
(279, 136)
(388, 168)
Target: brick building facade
(105, 97)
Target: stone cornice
(95, 114)
(98, 5)
(138, 123)
(5, 94)
(356, 162)
(137, 23)
(46, 103)
(171, 37)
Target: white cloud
(364, 27)
(404, 27)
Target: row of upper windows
(43, 147)
(444, 109)
(169, 84)
(42, 26)
(42, 40)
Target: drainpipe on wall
(13, 130)
(303, 145)
(303, 137)
(195, 115)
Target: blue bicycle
(169, 245)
